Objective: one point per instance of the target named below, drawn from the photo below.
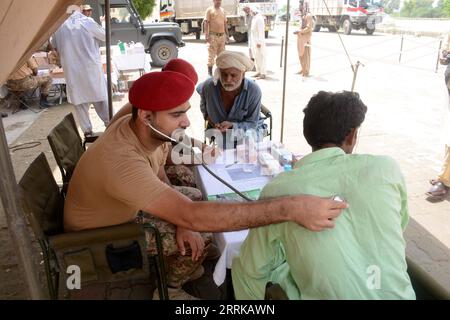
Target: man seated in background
(363, 257)
(229, 101)
(26, 79)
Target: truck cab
(161, 39)
(361, 15)
(345, 14)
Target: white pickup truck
(346, 14)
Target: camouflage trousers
(30, 83)
(181, 175)
(215, 46)
(179, 269)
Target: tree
(408, 8)
(425, 9)
(445, 7)
(391, 5)
(144, 7)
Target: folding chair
(266, 114)
(67, 147)
(20, 97)
(98, 253)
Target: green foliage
(445, 6)
(390, 5)
(424, 9)
(144, 7)
(408, 8)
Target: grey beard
(228, 88)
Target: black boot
(210, 71)
(44, 103)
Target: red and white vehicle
(346, 14)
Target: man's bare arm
(311, 212)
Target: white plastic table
(229, 243)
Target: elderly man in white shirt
(77, 42)
(258, 43)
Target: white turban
(232, 59)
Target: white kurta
(258, 38)
(77, 42)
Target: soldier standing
(304, 38)
(216, 32)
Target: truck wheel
(197, 35)
(240, 36)
(347, 26)
(162, 51)
(370, 31)
(317, 28)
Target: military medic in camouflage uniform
(216, 32)
(25, 79)
(180, 268)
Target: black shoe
(44, 103)
(4, 114)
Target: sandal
(438, 190)
(433, 181)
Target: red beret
(158, 91)
(182, 66)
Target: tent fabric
(25, 26)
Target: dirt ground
(12, 285)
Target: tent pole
(16, 221)
(108, 57)
(286, 37)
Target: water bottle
(121, 47)
(250, 152)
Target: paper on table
(252, 194)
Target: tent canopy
(25, 26)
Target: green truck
(160, 39)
